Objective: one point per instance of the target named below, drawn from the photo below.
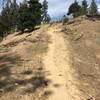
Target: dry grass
(85, 56)
(22, 76)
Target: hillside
(55, 62)
(84, 37)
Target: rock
(90, 98)
(1, 90)
(66, 30)
(78, 37)
(63, 29)
(16, 84)
(71, 22)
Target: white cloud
(99, 7)
(58, 8)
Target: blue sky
(57, 8)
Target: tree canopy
(29, 15)
(93, 8)
(45, 16)
(26, 15)
(75, 9)
(84, 7)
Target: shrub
(65, 19)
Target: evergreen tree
(5, 20)
(84, 7)
(23, 17)
(14, 14)
(45, 16)
(35, 10)
(8, 18)
(75, 9)
(29, 15)
(65, 19)
(93, 8)
(6, 3)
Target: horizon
(58, 8)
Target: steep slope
(56, 62)
(21, 68)
(84, 38)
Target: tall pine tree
(8, 18)
(35, 10)
(45, 16)
(14, 14)
(84, 7)
(93, 8)
(75, 9)
(5, 19)
(23, 17)
(29, 15)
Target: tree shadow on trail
(10, 81)
(6, 63)
(37, 82)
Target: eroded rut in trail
(57, 64)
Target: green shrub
(65, 19)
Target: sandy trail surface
(57, 64)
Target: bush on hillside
(75, 9)
(65, 19)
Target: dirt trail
(57, 64)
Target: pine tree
(84, 7)
(23, 17)
(14, 14)
(29, 15)
(5, 20)
(65, 19)
(6, 3)
(75, 9)
(93, 8)
(35, 10)
(8, 18)
(45, 16)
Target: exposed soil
(56, 62)
(22, 74)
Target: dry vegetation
(22, 76)
(84, 37)
(22, 72)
